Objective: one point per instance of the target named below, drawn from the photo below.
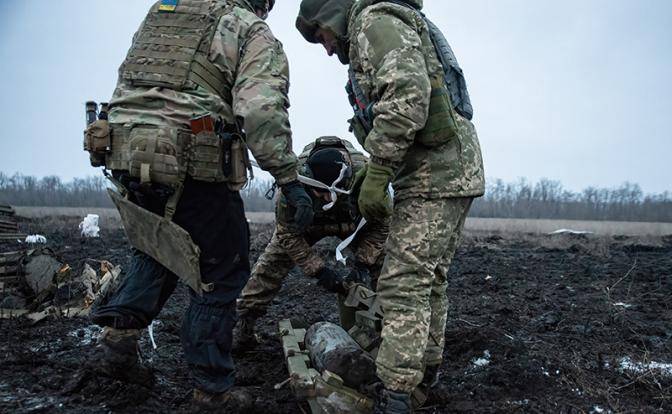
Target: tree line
(51, 191)
(546, 199)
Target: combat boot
(247, 338)
(118, 357)
(430, 379)
(233, 399)
(392, 402)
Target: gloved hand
(360, 274)
(331, 281)
(359, 177)
(374, 200)
(298, 198)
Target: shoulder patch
(168, 5)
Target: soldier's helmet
(325, 165)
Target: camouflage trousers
(270, 270)
(267, 275)
(424, 235)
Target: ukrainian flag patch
(168, 5)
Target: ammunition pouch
(163, 240)
(205, 156)
(240, 163)
(153, 157)
(441, 125)
(97, 141)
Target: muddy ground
(536, 324)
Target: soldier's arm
(371, 241)
(299, 250)
(260, 99)
(391, 53)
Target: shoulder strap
(453, 74)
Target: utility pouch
(358, 130)
(205, 157)
(441, 125)
(154, 155)
(239, 163)
(97, 141)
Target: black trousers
(215, 218)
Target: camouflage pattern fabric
(424, 235)
(255, 66)
(288, 248)
(393, 68)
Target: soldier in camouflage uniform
(189, 58)
(322, 161)
(413, 117)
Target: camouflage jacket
(255, 67)
(392, 67)
(340, 221)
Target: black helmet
(325, 166)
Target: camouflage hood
(326, 14)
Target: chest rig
(449, 94)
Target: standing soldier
(335, 163)
(412, 114)
(203, 80)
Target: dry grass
(109, 217)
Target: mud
(536, 324)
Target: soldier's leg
(418, 237)
(136, 302)
(215, 218)
(140, 296)
(457, 211)
(267, 274)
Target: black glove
(360, 274)
(298, 198)
(331, 281)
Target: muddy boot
(430, 379)
(233, 399)
(118, 357)
(246, 339)
(392, 402)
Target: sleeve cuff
(286, 178)
(385, 163)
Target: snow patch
(87, 335)
(627, 364)
(483, 361)
(570, 231)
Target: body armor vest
(171, 48)
(447, 94)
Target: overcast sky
(574, 90)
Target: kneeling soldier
(334, 163)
